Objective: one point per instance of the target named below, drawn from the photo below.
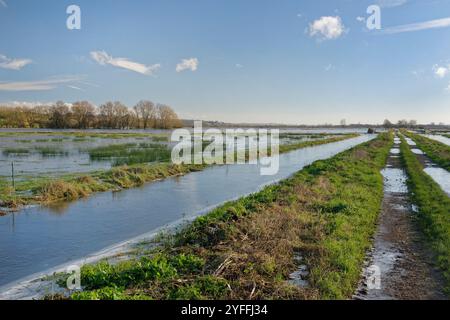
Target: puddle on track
(397, 266)
(417, 151)
(394, 180)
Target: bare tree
(387, 124)
(412, 123)
(402, 123)
(83, 113)
(167, 118)
(107, 114)
(59, 115)
(145, 111)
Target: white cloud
(103, 58)
(391, 3)
(431, 24)
(3, 3)
(327, 28)
(441, 72)
(13, 64)
(239, 66)
(187, 64)
(29, 104)
(39, 85)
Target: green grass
(131, 153)
(434, 209)
(51, 151)
(435, 150)
(304, 144)
(15, 151)
(245, 249)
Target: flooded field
(54, 153)
(439, 138)
(40, 238)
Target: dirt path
(398, 266)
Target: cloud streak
(187, 64)
(431, 24)
(39, 85)
(13, 64)
(102, 58)
(391, 3)
(3, 3)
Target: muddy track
(399, 266)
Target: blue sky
(240, 61)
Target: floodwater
(441, 176)
(70, 154)
(40, 238)
(439, 138)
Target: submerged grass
(245, 249)
(131, 153)
(51, 151)
(435, 150)
(15, 151)
(434, 209)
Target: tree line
(84, 115)
(400, 124)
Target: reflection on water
(40, 238)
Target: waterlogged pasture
(53, 154)
(62, 152)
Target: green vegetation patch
(15, 151)
(131, 153)
(434, 209)
(437, 151)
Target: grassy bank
(75, 186)
(435, 150)
(322, 217)
(434, 209)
